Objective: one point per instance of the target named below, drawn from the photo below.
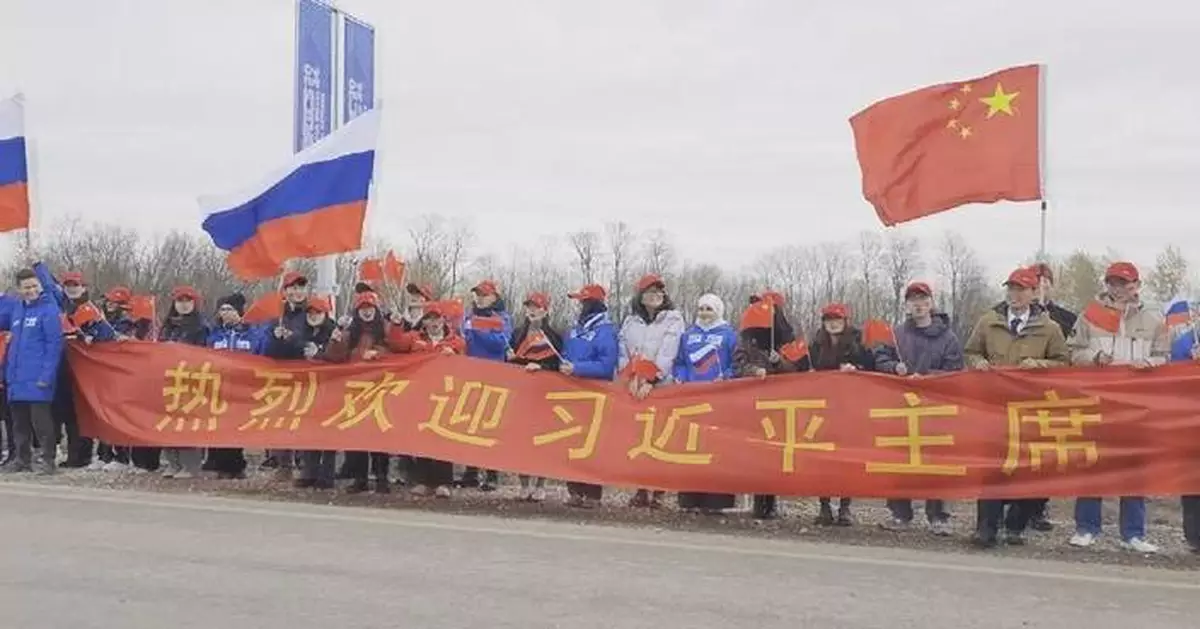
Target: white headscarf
(718, 306)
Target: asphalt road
(78, 559)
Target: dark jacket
(237, 338)
(125, 326)
(849, 349)
(295, 320)
(1063, 317)
(749, 356)
(932, 349)
(551, 361)
(189, 329)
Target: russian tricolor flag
(1178, 313)
(315, 206)
(14, 167)
(705, 358)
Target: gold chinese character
(598, 401)
(656, 447)
(466, 412)
(914, 441)
(793, 438)
(280, 387)
(1056, 429)
(190, 391)
(365, 398)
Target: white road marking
(304, 511)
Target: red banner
(1069, 432)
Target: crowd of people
(1028, 330)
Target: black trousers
(362, 464)
(585, 490)
(700, 500)
(108, 453)
(227, 461)
(33, 421)
(6, 430)
(765, 505)
(990, 514)
(318, 465)
(1191, 521)
(79, 448)
(470, 477)
(146, 458)
(1039, 510)
(430, 472)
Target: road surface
(78, 559)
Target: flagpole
(1043, 102)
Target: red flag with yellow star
(934, 149)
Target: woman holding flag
(589, 352)
(706, 355)
(649, 341)
(488, 332)
(536, 346)
(768, 346)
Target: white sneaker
(169, 472)
(941, 528)
(538, 495)
(184, 475)
(95, 466)
(1082, 540)
(115, 466)
(442, 492)
(895, 525)
(1140, 545)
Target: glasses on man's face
(705, 309)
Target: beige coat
(992, 342)
(1142, 336)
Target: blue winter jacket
(35, 349)
(932, 349)
(98, 330)
(489, 344)
(239, 338)
(1181, 348)
(591, 348)
(705, 355)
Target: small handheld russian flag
(1178, 316)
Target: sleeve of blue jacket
(727, 348)
(52, 328)
(100, 331)
(50, 285)
(604, 363)
(7, 304)
(679, 373)
(1181, 348)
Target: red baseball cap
(486, 287)
(73, 277)
(119, 295)
(366, 299)
(1023, 277)
(835, 311)
(1122, 271)
(321, 304)
(292, 278)
(918, 288)
(185, 292)
(650, 280)
(591, 291)
(771, 297)
(541, 300)
(424, 290)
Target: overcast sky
(721, 121)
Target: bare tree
(902, 262)
(658, 255)
(965, 294)
(1169, 277)
(586, 245)
(621, 241)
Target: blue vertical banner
(359, 57)
(314, 73)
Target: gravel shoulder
(1164, 525)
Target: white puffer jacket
(657, 341)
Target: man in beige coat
(1118, 329)
(1017, 333)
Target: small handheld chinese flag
(450, 309)
(936, 148)
(4, 336)
(370, 270)
(641, 369)
(877, 332)
(795, 351)
(269, 307)
(760, 314)
(393, 269)
(86, 313)
(1103, 317)
(143, 308)
(535, 347)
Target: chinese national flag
(370, 270)
(877, 332)
(393, 269)
(269, 307)
(86, 313)
(640, 368)
(934, 149)
(1103, 317)
(143, 308)
(760, 314)
(795, 351)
